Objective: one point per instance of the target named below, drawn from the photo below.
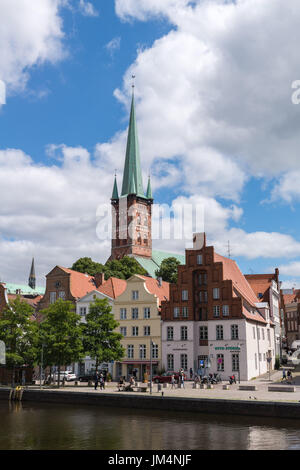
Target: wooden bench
(248, 387)
(281, 388)
(140, 388)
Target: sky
(216, 112)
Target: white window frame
(216, 293)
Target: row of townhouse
(213, 320)
(290, 305)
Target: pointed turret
(115, 194)
(132, 162)
(32, 278)
(149, 190)
(132, 187)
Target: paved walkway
(262, 393)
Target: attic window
(260, 295)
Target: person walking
(102, 382)
(96, 380)
(283, 375)
(173, 381)
(191, 373)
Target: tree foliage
(61, 334)
(122, 269)
(19, 333)
(168, 270)
(100, 340)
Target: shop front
(138, 369)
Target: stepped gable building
(290, 305)
(66, 284)
(214, 318)
(133, 209)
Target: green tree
(168, 270)
(61, 334)
(122, 269)
(100, 340)
(19, 333)
(87, 265)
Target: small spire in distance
(149, 189)
(32, 278)
(115, 194)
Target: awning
(135, 363)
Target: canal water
(44, 427)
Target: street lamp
(42, 361)
(151, 352)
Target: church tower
(32, 278)
(132, 210)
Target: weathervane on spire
(133, 82)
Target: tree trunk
(58, 375)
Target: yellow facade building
(137, 310)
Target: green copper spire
(115, 194)
(132, 166)
(32, 279)
(132, 187)
(149, 190)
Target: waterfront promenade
(261, 394)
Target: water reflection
(25, 426)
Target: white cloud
(215, 92)
(50, 211)
(31, 33)
(288, 187)
(87, 8)
(113, 45)
(291, 269)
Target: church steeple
(32, 278)
(132, 210)
(149, 190)
(132, 166)
(115, 194)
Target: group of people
(100, 380)
(287, 376)
(122, 383)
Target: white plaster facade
(178, 347)
(245, 351)
(82, 308)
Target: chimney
(99, 279)
(159, 280)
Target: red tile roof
(113, 287)
(232, 272)
(80, 284)
(260, 284)
(253, 316)
(289, 298)
(162, 292)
